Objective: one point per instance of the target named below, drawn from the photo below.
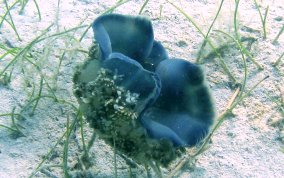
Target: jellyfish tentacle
(180, 128)
(157, 55)
(184, 108)
(131, 36)
(134, 78)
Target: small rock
(181, 43)
(279, 18)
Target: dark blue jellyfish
(174, 101)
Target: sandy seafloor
(248, 143)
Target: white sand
(246, 145)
